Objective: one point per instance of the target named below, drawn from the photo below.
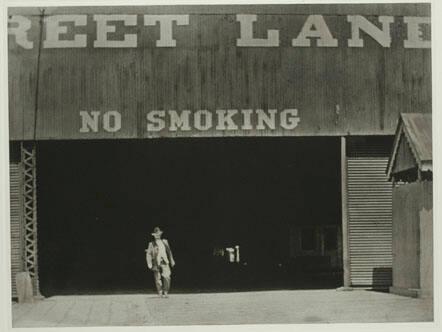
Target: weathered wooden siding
(409, 201)
(404, 159)
(369, 196)
(16, 215)
(337, 91)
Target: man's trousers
(162, 278)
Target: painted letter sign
(314, 30)
(190, 71)
(165, 122)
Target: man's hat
(157, 231)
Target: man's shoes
(165, 295)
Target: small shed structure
(410, 167)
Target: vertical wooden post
(345, 244)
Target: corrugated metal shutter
(16, 211)
(369, 212)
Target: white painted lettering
(247, 119)
(198, 120)
(103, 29)
(166, 33)
(156, 120)
(289, 119)
(267, 119)
(358, 23)
(414, 32)
(179, 120)
(246, 34)
(54, 30)
(315, 27)
(225, 121)
(89, 121)
(112, 121)
(20, 31)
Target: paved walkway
(299, 306)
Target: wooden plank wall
(16, 215)
(408, 202)
(337, 91)
(369, 195)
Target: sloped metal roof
(417, 129)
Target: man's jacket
(152, 254)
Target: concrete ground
(282, 306)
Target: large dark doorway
(278, 199)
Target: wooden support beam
(345, 244)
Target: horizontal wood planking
(369, 213)
(16, 212)
(338, 91)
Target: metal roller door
(369, 197)
(16, 214)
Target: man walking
(160, 260)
